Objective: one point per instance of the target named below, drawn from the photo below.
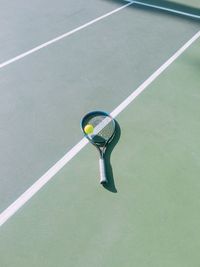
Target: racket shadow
(110, 186)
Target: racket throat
(101, 153)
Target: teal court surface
(138, 61)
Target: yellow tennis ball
(88, 129)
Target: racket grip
(102, 169)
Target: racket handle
(102, 169)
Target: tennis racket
(104, 129)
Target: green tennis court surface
(149, 214)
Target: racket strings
(103, 128)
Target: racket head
(104, 127)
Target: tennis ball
(88, 129)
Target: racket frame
(101, 147)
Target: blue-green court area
(148, 214)
(153, 218)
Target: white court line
(15, 206)
(146, 83)
(165, 9)
(39, 47)
(31, 191)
